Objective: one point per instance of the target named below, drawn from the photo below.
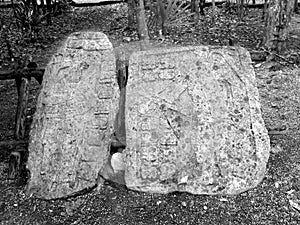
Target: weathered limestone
(193, 122)
(73, 123)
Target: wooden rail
(37, 73)
(22, 78)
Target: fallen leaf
(276, 149)
(295, 205)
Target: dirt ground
(276, 200)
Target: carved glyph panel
(193, 121)
(73, 123)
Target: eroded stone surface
(194, 122)
(73, 123)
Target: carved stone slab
(194, 122)
(73, 123)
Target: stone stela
(192, 115)
(193, 121)
(73, 123)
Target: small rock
(257, 65)
(183, 204)
(183, 180)
(205, 207)
(117, 162)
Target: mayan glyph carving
(193, 121)
(73, 123)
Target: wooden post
(23, 85)
(17, 161)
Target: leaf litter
(275, 200)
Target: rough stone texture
(194, 122)
(73, 123)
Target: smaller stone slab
(193, 122)
(73, 124)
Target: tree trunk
(240, 8)
(35, 7)
(120, 131)
(43, 7)
(197, 11)
(213, 10)
(49, 11)
(131, 12)
(193, 4)
(142, 25)
(202, 3)
(296, 9)
(278, 18)
(265, 10)
(161, 16)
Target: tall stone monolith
(193, 122)
(73, 123)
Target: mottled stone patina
(193, 121)
(73, 123)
